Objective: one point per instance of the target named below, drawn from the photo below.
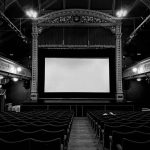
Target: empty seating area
(60, 130)
(35, 130)
(121, 130)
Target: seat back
(45, 145)
(16, 145)
(131, 145)
(133, 135)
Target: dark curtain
(76, 36)
(51, 36)
(101, 36)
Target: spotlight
(138, 79)
(19, 69)
(15, 79)
(121, 13)
(31, 13)
(134, 70)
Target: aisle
(82, 136)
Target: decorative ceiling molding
(77, 17)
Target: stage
(81, 108)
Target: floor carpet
(82, 136)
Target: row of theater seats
(121, 130)
(35, 130)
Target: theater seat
(131, 145)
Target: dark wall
(16, 93)
(137, 91)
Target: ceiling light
(121, 13)
(134, 70)
(19, 69)
(15, 79)
(1, 77)
(141, 69)
(138, 79)
(31, 13)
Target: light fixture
(13, 69)
(33, 14)
(15, 79)
(1, 77)
(134, 70)
(138, 79)
(121, 13)
(141, 69)
(19, 69)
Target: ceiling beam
(2, 6)
(12, 26)
(113, 7)
(135, 31)
(146, 3)
(64, 4)
(89, 4)
(8, 2)
(50, 4)
(39, 6)
(132, 35)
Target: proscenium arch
(77, 12)
(77, 17)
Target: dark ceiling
(13, 45)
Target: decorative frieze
(74, 19)
(76, 12)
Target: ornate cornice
(76, 17)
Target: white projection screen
(77, 75)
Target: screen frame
(76, 53)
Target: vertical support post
(119, 91)
(34, 84)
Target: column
(119, 91)
(34, 83)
